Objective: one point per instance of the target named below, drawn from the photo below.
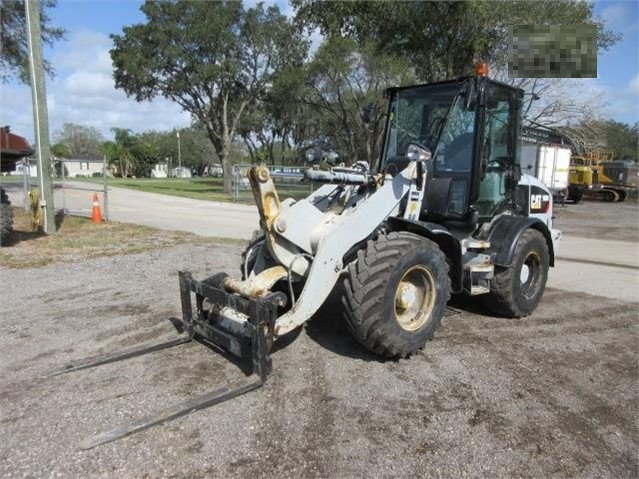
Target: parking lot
(551, 395)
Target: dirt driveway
(552, 395)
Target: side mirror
(417, 152)
(314, 154)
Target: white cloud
(286, 8)
(85, 49)
(85, 82)
(619, 103)
(618, 16)
(16, 109)
(614, 13)
(83, 92)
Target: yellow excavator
(594, 175)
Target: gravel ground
(552, 395)
(597, 219)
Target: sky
(83, 90)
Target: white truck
(549, 163)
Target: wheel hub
(524, 273)
(414, 298)
(529, 276)
(406, 296)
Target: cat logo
(537, 201)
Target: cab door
(500, 153)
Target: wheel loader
(445, 210)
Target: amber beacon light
(481, 69)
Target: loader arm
(339, 234)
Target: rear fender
(440, 235)
(506, 231)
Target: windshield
(434, 116)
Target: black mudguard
(506, 231)
(440, 235)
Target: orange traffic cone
(97, 214)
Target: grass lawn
(11, 179)
(202, 188)
(197, 188)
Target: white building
(82, 167)
(214, 170)
(160, 170)
(20, 169)
(181, 172)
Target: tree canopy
(215, 59)
(14, 56)
(340, 82)
(80, 141)
(620, 139)
(246, 73)
(444, 39)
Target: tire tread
(364, 287)
(502, 299)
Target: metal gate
(289, 181)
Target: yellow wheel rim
(415, 298)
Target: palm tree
(119, 152)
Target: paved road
(206, 218)
(602, 267)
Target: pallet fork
(211, 323)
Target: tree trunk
(227, 168)
(222, 146)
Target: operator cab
(471, 127)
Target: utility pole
(179, 154)
(40, 113)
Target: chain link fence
(289, 181)
(62, 188)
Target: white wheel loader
(444, 211)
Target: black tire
(622, 195)
(516, 291)
(577, 197)
(249, 259)
(397, 263)
(249, 255)
(575, 194)
(6, 218)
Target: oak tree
(214, 59)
